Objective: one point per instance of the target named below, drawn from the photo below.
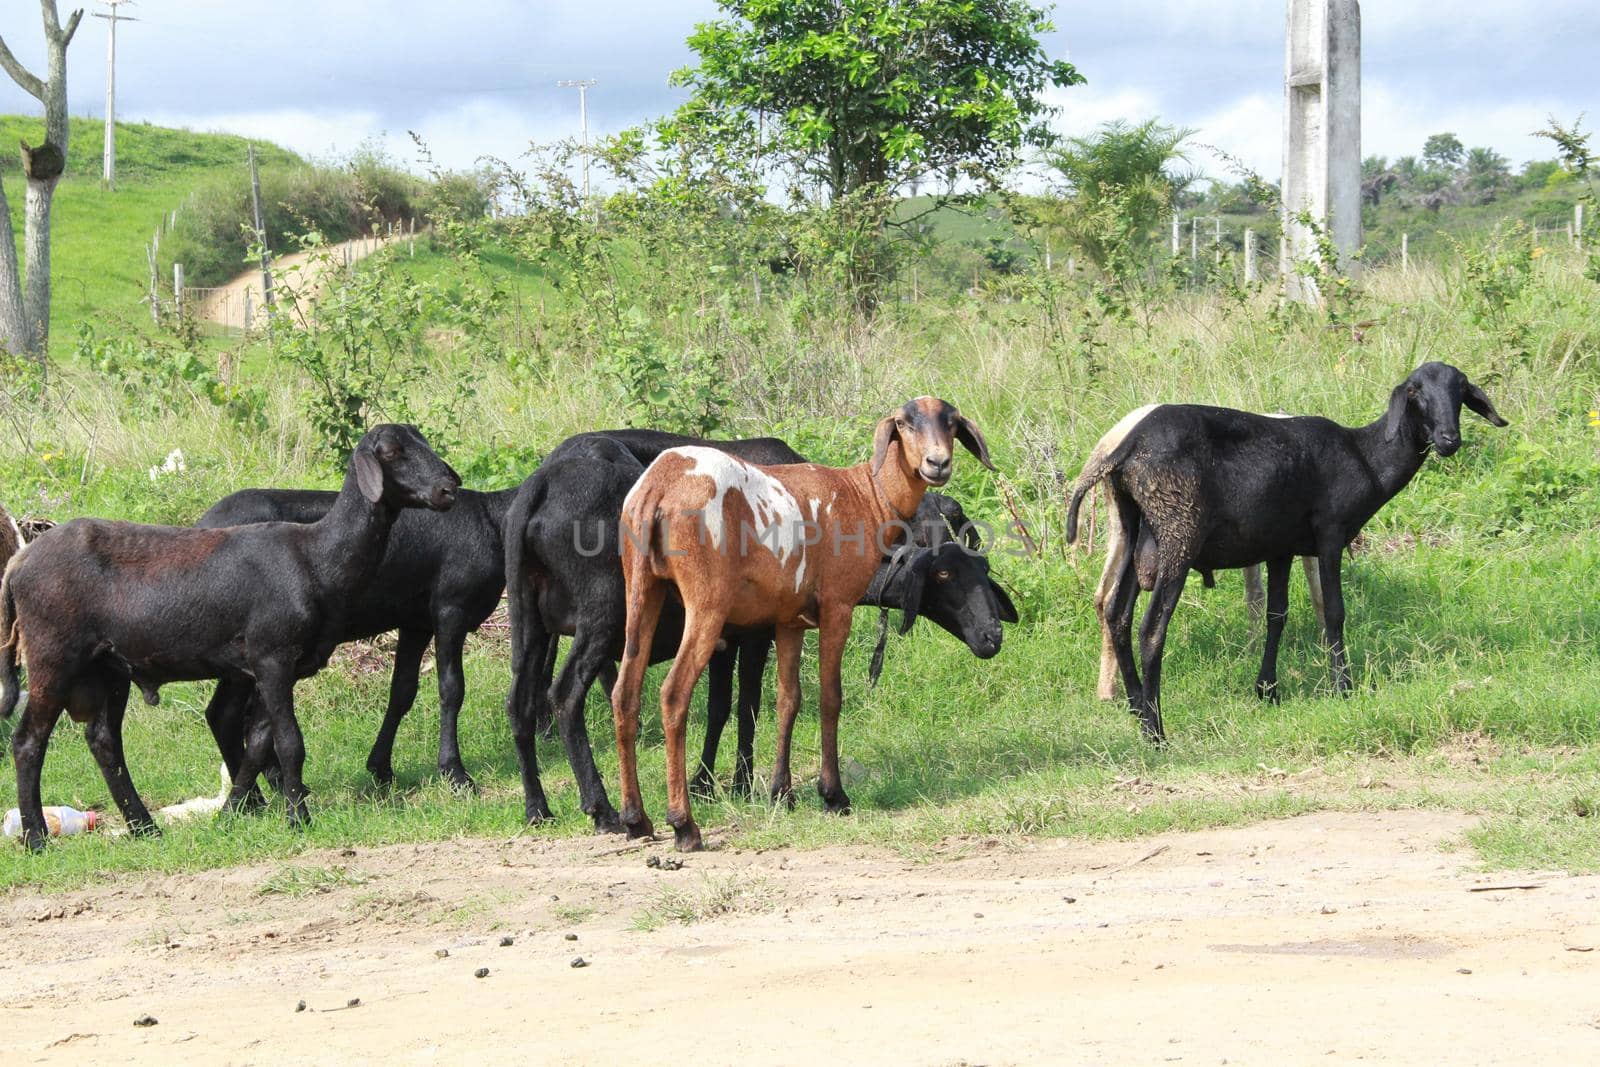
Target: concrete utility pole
(108, 170)
(583, 85)
(1322, 133)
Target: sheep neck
(1393, 463)
(350, 539)
(894, 490)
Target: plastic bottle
(60, 821)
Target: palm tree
(1116, 185)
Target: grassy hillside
(98, 236)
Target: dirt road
(1329, 938)
(226, 305)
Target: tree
(1118, 183)
(1487, 172)
(1444, 152)
(880, 92)
(25, 320)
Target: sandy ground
(1327, 938)
(225, 305)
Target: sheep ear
(1398, 402)
(369, 475)
(1477, 400)
(911, 600)
(1008, 610)
(967, 433)
(887, 431)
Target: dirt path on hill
(1327, 938)
(225, 305)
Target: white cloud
(456, 136)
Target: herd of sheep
(642, 546)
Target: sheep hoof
(537, 811)
(606, 820)
(383, 775)
(686, 838)
(836, 803)
(637, 824)
(460, 780)
(1268, 691)
(145, 827)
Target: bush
(212, 235)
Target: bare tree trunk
(25, 321)
(14, 334)
(36, 267)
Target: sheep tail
(10, 640)
(519, 590)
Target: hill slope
(98, 236)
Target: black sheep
(99, 606)
(1218, 489)
(441, 577)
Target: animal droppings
(145, 1020)
(579, 961)
(481, 972)
(507, 942)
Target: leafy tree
(1444, 152)
(1135, 168)
(862, 99)
(879, 92)
(1487, 172)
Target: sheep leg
(719, 706)
(28, 745)
(1124, 597)
(1255, 598)
(1277, 614)
(529, 696)
(583, 664)
(752, 667)
(402, 694)
(1152, 643)
(1310, 565)
(275, 687)
(1104, 596)
(832, 634)
(544, 715)
(646, 594)
(702, 627)
(103, 731)
(448, 645)
(1333, 616)
(227, 714)
(789, 641)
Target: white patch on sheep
(779, 526)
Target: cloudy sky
(477, 78)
